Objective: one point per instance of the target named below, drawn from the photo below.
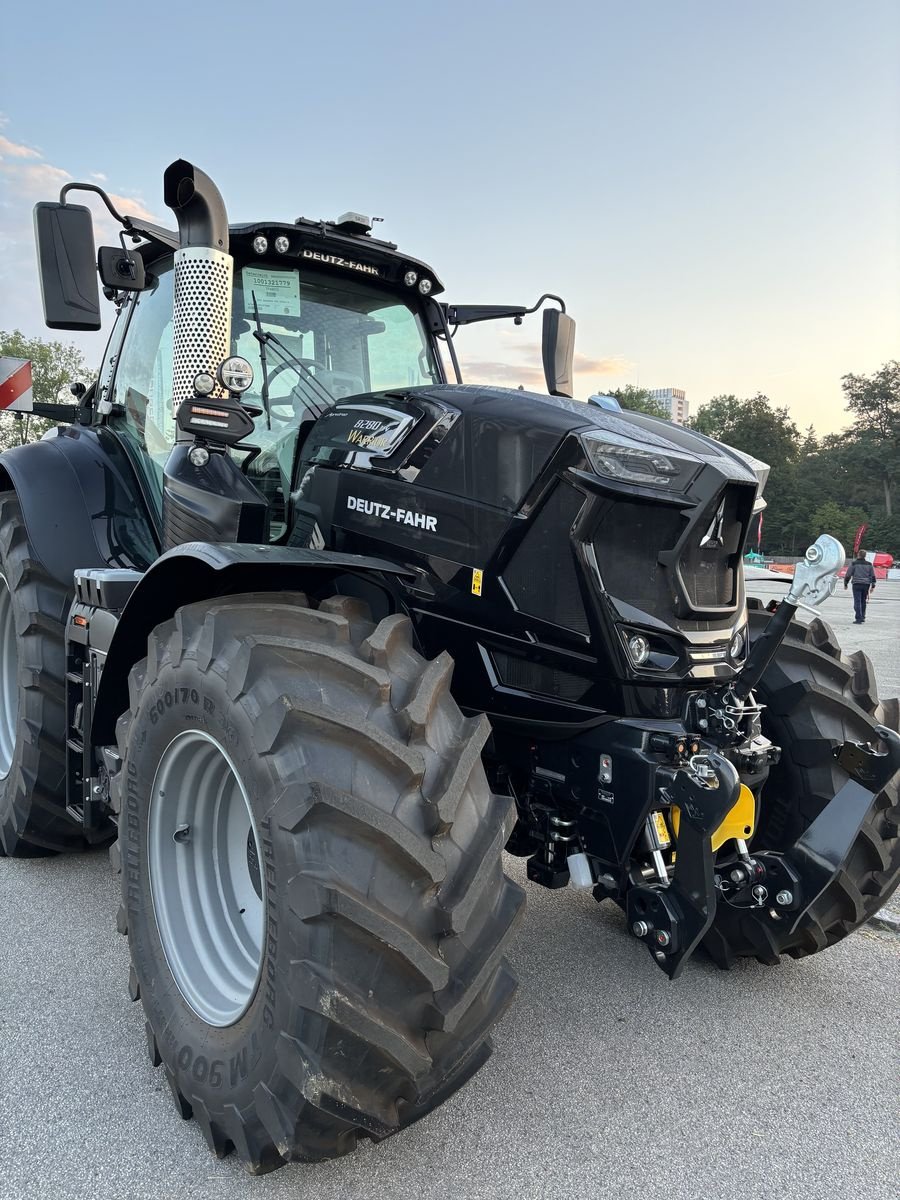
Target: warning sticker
(477, 577)
(277, 292)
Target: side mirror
(121, 270)
(558, 346)
(65, 245)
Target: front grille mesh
(627, 546)
(529, 676)
(632, 537)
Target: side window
(142, 386)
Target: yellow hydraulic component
(739, 822)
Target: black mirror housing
(558, 347)
(65, 247)
(122, 270)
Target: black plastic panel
(541, 576)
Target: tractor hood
(492, 444)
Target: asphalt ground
(607, 1080)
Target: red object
(857, 541)
(15, 383)
(759, 534)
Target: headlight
(738, 644)
(619, 457)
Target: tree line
(831, 484)
(816, 485)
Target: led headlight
(410, 278)
(282, 245)
(235, 374)
(738, 645)
(638, 649)
(619, 457)
(260, 244)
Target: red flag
(857, 541)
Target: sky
(713, 187)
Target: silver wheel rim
(9, 679)
(206, 878)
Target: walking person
(862, 575)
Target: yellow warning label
(662, 831)
(477, 577)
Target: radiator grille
(530, 676)
(627, 545)
(632, 536)
(541, 576)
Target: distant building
(673, 401)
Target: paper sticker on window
(277, 292)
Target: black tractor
(310, 632)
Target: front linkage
(684, 790)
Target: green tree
(638, 399)
(874, 438)
(53, 366)
(839, 521)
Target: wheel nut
(662, 938)
(784, 899)
(640, 929)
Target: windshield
(330, 338)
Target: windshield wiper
(261, 338)
(320, 404)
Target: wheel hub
(207, 888)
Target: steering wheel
(288, 402)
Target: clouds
(529, 372)
(25, 178)
(10, 149)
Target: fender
(205, 571)
(81, 502)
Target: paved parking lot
(607, 1081)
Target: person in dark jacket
(862, 575)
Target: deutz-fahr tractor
(310, 632)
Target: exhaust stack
(203, 278)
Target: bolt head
(640, 929)
(784, 898)
(760, 894)
(737, 875)
(662, 938)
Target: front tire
(815, 700)
(385, 912)
(33, 612)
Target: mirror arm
(134, 225)
(469, 314)
(92, 187)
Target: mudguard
(204, 571)
(81, 502)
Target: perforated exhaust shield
(202, 317)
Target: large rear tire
(33, 611)
(333, 971)
(816, 699)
